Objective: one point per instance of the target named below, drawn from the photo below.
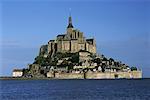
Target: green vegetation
(75, 58)
(52, 61)
(25, 71)
(133, 68)
(60, 55)
(41, 61)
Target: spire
(70, 20)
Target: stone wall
(59, 46)
(136, 74)
(69, 75)
(113, 75)
(91, 48)
(74, 46)
(49, 47)
(81, 46)
(43, 49)
(50, 75)
(66, 45)
(96, 75)
(84, 56)
(99, 75)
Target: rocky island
(72, 56)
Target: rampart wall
(96, 75)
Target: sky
(121, 29)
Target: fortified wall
(113, 75)
(96, 75)
(69, 75)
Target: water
(75, 89)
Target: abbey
(72, 41)
(72, 56)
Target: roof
(17, 70)
(61, 35)
(51, 40)
(84, 51)
(43, 46)
(90, 41)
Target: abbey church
(70, 42)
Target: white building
(99, 68)
(50, 74)
(17, 73)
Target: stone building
(17, 73)
(72, 41)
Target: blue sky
(121, 29)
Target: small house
(17, 73)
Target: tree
(75, 58)
(25, 71)
(41, 61)
(133, 68)
(104, 59)
(111, 59)
(97, 60)
(103, 67)
(102, 56)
